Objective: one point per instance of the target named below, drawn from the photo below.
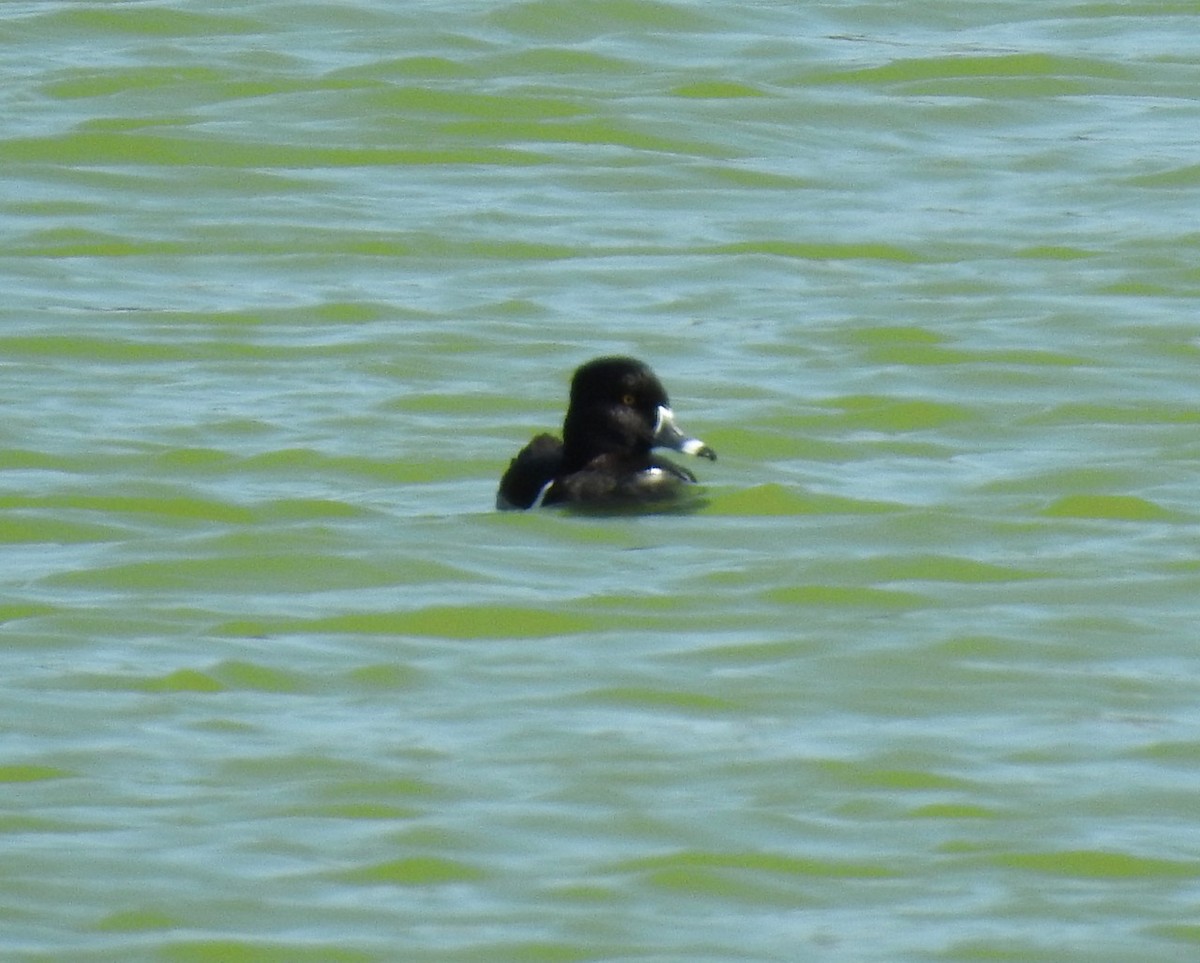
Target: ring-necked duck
(617, 413)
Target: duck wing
(536, 465)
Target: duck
(618, 412)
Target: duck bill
(667, 434)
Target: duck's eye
(628, 400)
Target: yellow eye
(628, 400)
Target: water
(287, 286)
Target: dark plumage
(617, 413)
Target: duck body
(618, 413)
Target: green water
(287, 285)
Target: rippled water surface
(286, 285)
